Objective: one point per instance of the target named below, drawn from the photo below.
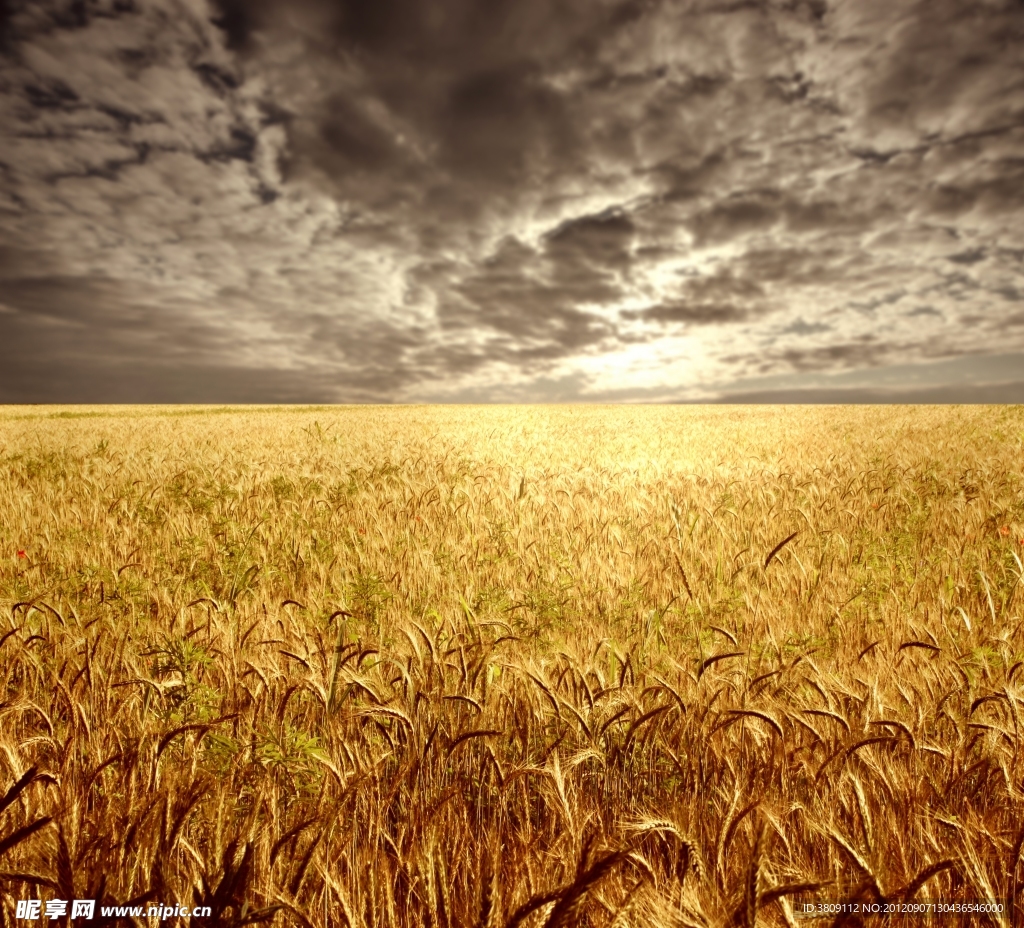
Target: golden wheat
(487, 667)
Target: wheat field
(513, 666)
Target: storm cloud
(333, 200)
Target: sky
(403, 201)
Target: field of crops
(486, 667)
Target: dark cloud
(822, 215)
(238, 19)
(717, 298)
(800, 327)
(866, 352)
(105, 318)
(601, 241)
(54, 95)
(16, 259)
(532, 305)
(92, 340)
(722, 284)
(953, 394)
(497, 124)
(44, 376)
(736, 217)
(400, 199)
(82, 300)
(972, 256)
(424, 95)
(353, 142)
(945, 65)
(536, 298)
(964, 378)
(696, 314)
(795, 266)
(218, 79)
